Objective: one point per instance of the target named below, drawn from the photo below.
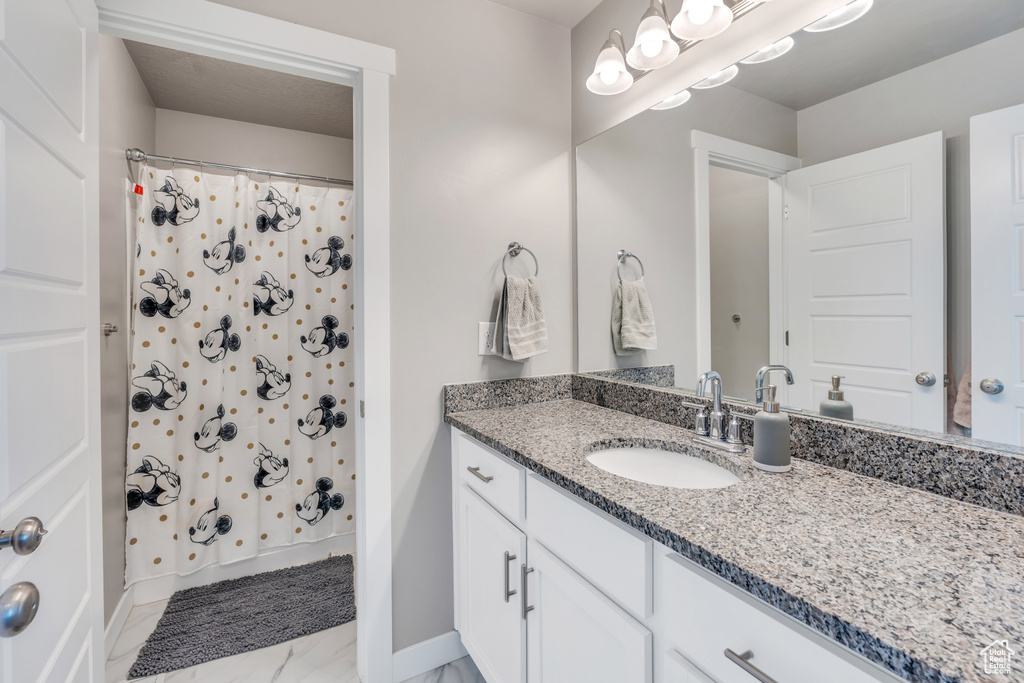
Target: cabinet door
(575, 632)
(490, 618)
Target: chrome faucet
(763, 372)
(717, 417)
(711, 432)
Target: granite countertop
(915, 582)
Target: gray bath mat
(227, 618)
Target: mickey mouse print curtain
(242, 380)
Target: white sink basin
(664, 468)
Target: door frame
(712, 150)
(234, 35)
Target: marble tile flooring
(325, 657)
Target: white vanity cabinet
(548, 589)
(490, 549)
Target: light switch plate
(486, 339)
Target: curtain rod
(137, 155)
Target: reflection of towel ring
(514, 249)
(623, 255)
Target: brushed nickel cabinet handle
(481, 477)
(508, 593)
(523, 573)
(743, 661)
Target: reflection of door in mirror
(738, 210)
(865, 245)
(996, 404)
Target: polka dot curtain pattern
(242, 381)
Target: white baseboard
(426, 656)
(117, 621)
(163, 587)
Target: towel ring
(514, 249)
(623, 255)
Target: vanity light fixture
(654, 47)
(610, 76)
(773, 51)
(720, 78)
(841, 17)
(673, 101)
(701, 19)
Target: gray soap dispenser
(834, 405)
(771, 434)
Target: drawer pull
(522, 582)
(508, 593)
(481, 477)
(743, 661)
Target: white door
(865, 260)
(49, 334)
(575, 632)
(491, 551)
(997, 274)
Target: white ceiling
(893, 37)
(191, 83)
(566, 13)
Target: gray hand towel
(632, 319)
(520, 331)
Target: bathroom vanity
(566, 572)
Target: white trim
(373, 377)
(712, 150)
(234, 35)
(117, 621)
(426, 656)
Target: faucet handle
(732, 434)
(701, 428)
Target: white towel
(520, 331)
(632, 319)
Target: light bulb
(609, 76)
(650, 48)
(701, 12)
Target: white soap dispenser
(771, 434)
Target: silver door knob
(925, 379)
(18, 607)
(990, 385)
(25, 537)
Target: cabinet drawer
(701, 616)
(498, 480)
(604, 551)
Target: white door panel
(865, 254)
(576, 633)
(490, 623)
(49, 336)
(997, 273)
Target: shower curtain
(242, 380)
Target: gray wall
(127, 119)
(207, 138)
(941, 95)
(635, 187)
(480, 139)
(739, 278)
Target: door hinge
(787, 337)
(785, 212)
(362, 409)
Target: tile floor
(325, 657)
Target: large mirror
(853, 207)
